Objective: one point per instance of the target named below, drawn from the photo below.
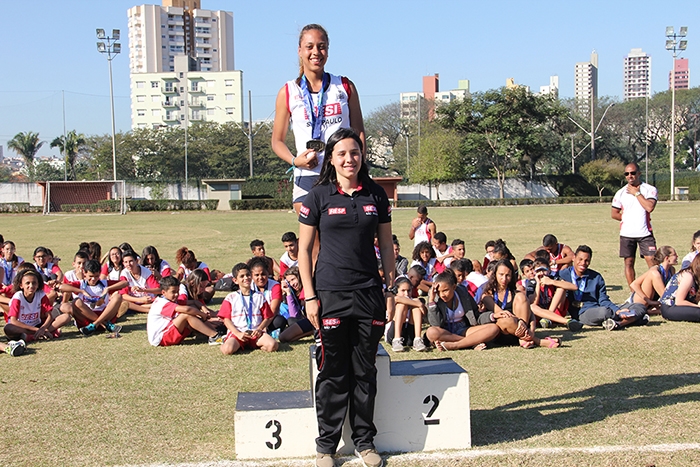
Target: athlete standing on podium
(344, 298)
(317, 104)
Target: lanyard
(249, 314)
(581, 283)
(314, 116)
(665, 275)
(8, 272)
(505, 300)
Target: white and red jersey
(160, 315)
(474, 281)
(165, 269)
(271, 291)
(422, 234)
(201, 265)
(553, 266)
(335, 115)
(145, 281)
(286, 262)
(92, 294)
(10, 271)
(429, 268)
(70, 277)
(112, 274)
(183, 295)
(245, 311)
(29, 313)
(636, 221)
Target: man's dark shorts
(628, 246)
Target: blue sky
(385, 47)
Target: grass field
(93, 401)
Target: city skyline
(380, 47)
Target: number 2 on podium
(427, 420)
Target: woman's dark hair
(257, 261)
(110, 264)
(310, 27)
(151, 250)
(492, 284)
(41, 249)
(420, 247)
(17, 283)
(328, 174)
(662, 253)
(193, 281)
(126, 247)
(14, 258)
(500, 249)
(446, 277)
(95, 250)
(401, 280)
(185, 256)
(696, 235)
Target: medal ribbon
(316, 116)
(581, 283)
(249, 314)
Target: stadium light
(111, 48)
(674, 46)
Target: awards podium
(421, 405)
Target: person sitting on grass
(291, 251)
(112, 265)
(560, 256)
(257, 247)
(424, 256)
(407, 318)
(246, 315)
(548, 302)
(152, 260)
(97, 301)
(694, 249)
(401, 261)
(527, 283)
(9, 261)
(191, 291)
(143, 287)
(650, 286)
(679, 301)
(270, 289)
(76, 274)
(443, 252)
(458, 249)
(170, 323)
(416, 274)
(30, 316)
(50, 273)
(455, 322)
(299, 324)
(511, 309)
(188, 263)
(589, 301)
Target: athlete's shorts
(173, 336)
(303, 323)
(459, 328)
(302, 186)
(628, 246)
(82, 322)
(249, 344)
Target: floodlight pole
(674, 45)
(111, 49)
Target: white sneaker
(16, 348)
(397, 345)
(419, 345)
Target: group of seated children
(39, 298)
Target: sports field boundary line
(454, 455)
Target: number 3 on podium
(275, 434)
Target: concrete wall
(477, 188)
(21, 193)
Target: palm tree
(26, 145)
(69, 146)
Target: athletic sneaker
(610, 324)
(397, 345)
(15, 348)
(645, 320)
(370, 458)
(324, 460)
(574, 325)
(88, 330)
(113, 328)
(546, 323)
(218, 339)
(418, 345)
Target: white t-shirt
(160, 315)
(636, 222)
(477, 279)
(456, 315)
(145, 281)
(422, 234)
(429, 268)
(10, 271)
(687, 259)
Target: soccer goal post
(85, 197)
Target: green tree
(45, 171)
(26, 145)
(439, 159)
(603, 173)
(69, 145)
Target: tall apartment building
(157, 34)
(682, 70)
(426, 101)
(586, 83)
(182, 66)
(552, 89)
(636, 75)
(185, 96)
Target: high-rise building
(552, 89)
(586, 83)
(157, 34)
(636, 75)
(680, 66)
(182, 68)
(414, 102)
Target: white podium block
(421, 405)
(275, 425)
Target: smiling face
(293, 282)
(259, 276)
(29, 285)
(115, 255)
(131, 264)
(92, 278)
(313, 50)
(425, 255)
(347, 159)
(632, 175)
(458, 251)
(170, 293)
(8, 251)
(42, 259)
(243, 279)
(581, 262)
